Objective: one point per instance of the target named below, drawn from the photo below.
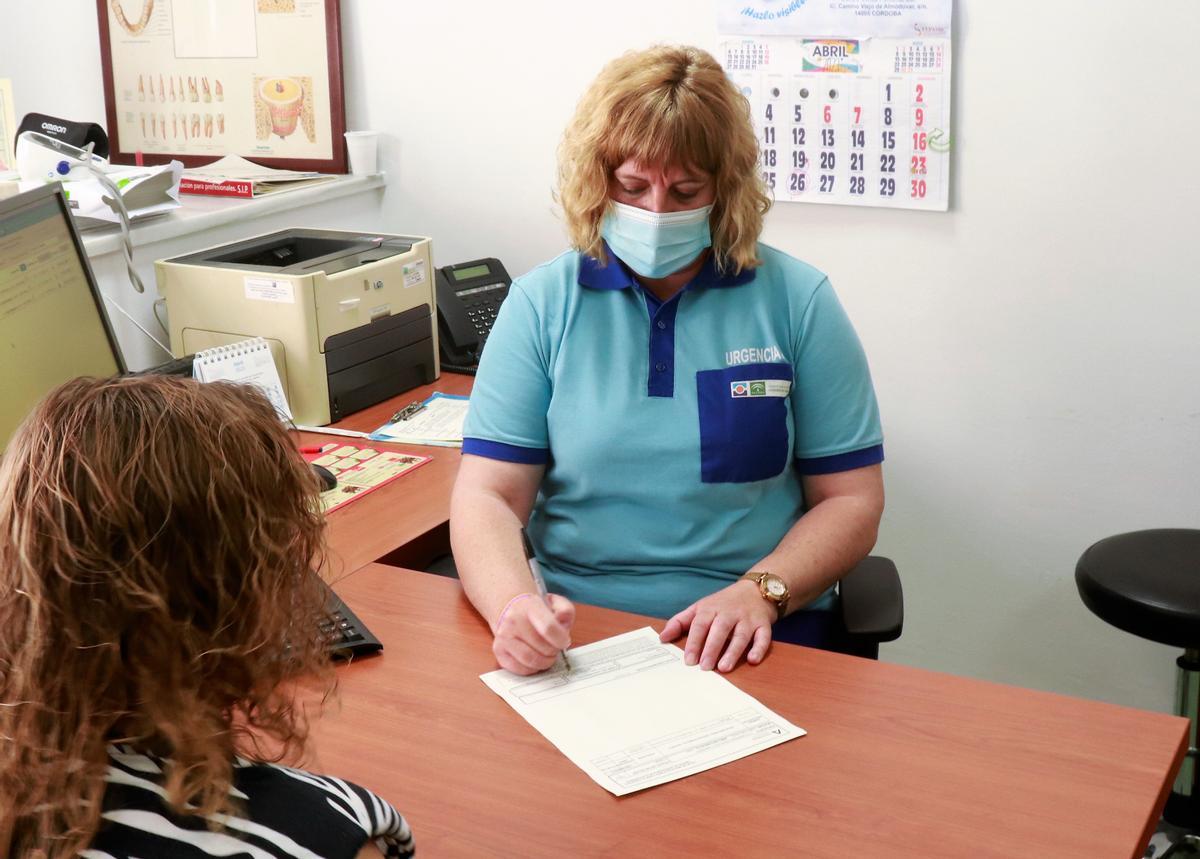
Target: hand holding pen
(536, 571)
(534, 629)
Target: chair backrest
(871, 608)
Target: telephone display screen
(470, 272)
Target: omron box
(349, 316)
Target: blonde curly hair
(157, 542)
(665, 105)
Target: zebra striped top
(284, 812)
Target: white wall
(1035, 350)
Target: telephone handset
(469, 295)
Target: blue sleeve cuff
(841, 461)
(506, 452)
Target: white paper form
(631, 715)
(439, 423)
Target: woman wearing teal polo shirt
(683, 416)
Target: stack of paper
(234, 176)
(438, 421)
(145, 191)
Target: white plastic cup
(363, 149)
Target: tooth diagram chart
(200, 79)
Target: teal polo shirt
(674, 434)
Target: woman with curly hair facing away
(157, 542)
(683, 415)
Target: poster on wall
(8, 127)
(194, 80)
(850, 98)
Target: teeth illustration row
(180, 126)
(196, 87)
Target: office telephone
(469, 295)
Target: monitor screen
(52, 326)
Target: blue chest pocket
(743, 422)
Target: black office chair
(1148, 584)
(872, 608)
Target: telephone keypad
(482, 312)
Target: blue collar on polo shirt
(616, 275)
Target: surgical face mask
(655, 244)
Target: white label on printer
(414, 273)
(264, 289)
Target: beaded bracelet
(508, 605)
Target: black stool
(1148, 583)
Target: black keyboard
(346, 635)
(174, 367)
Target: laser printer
(349, 316)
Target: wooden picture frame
(282, 106)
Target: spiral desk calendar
(247, 362)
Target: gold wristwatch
(773, 589)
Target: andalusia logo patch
(760, 388)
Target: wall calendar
(850, 98)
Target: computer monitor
(52, 323)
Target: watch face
(775, 587)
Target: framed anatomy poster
(194, 80)
(8, 128)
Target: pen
(312, 448)
(331, 431)
(536, 572)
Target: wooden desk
(407, 518)
(899, 762)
